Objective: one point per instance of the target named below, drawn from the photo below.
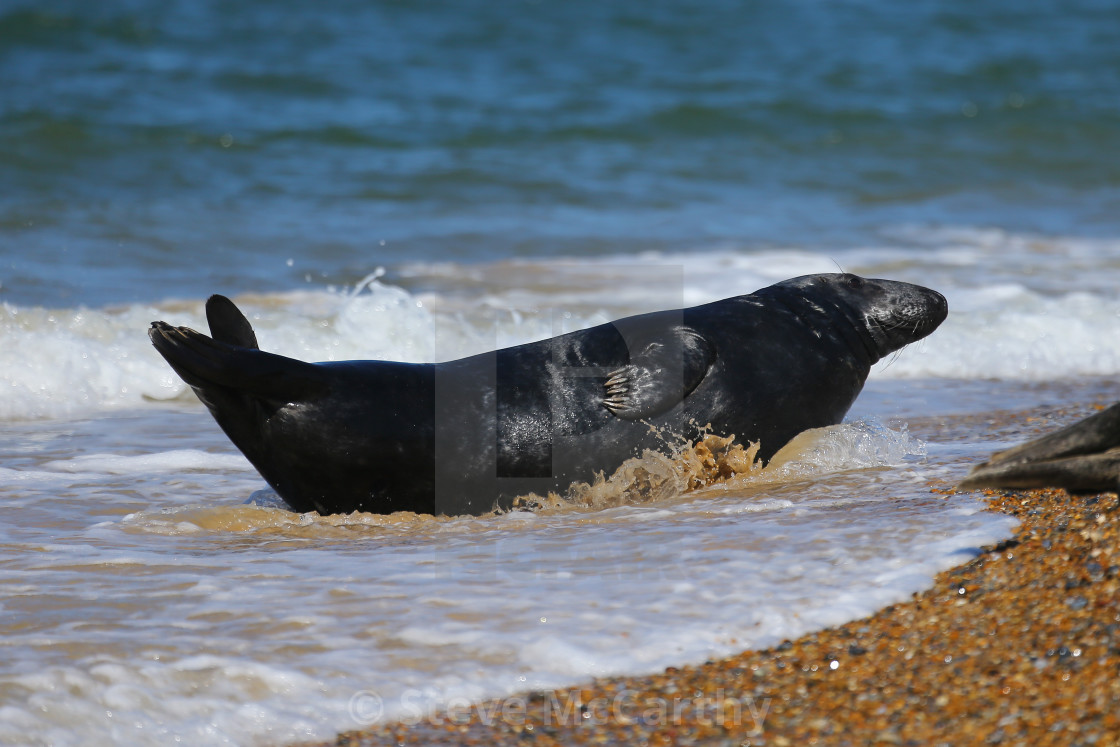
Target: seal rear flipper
(205, 363)
(660, 376)
(228, 324)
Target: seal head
(887, 315)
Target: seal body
(467, 436)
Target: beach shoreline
(1020, 645)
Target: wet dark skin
(467, 436)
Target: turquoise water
(181, 147)
(422, 180)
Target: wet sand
(1020, 646)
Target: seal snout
(888, 314)
(935, 308)
(939, 305)
(901, 313)
(929, 312)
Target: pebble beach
(1020, 646)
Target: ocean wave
(1022, 308)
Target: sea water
(423, 181)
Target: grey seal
(467, 436)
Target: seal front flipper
(660, 376)
(228, 324)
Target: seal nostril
(940, 304)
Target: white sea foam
(1018, 310)
(859, 445)
(423, 625)
(197, 617)
(168, 461)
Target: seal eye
(855, 282)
